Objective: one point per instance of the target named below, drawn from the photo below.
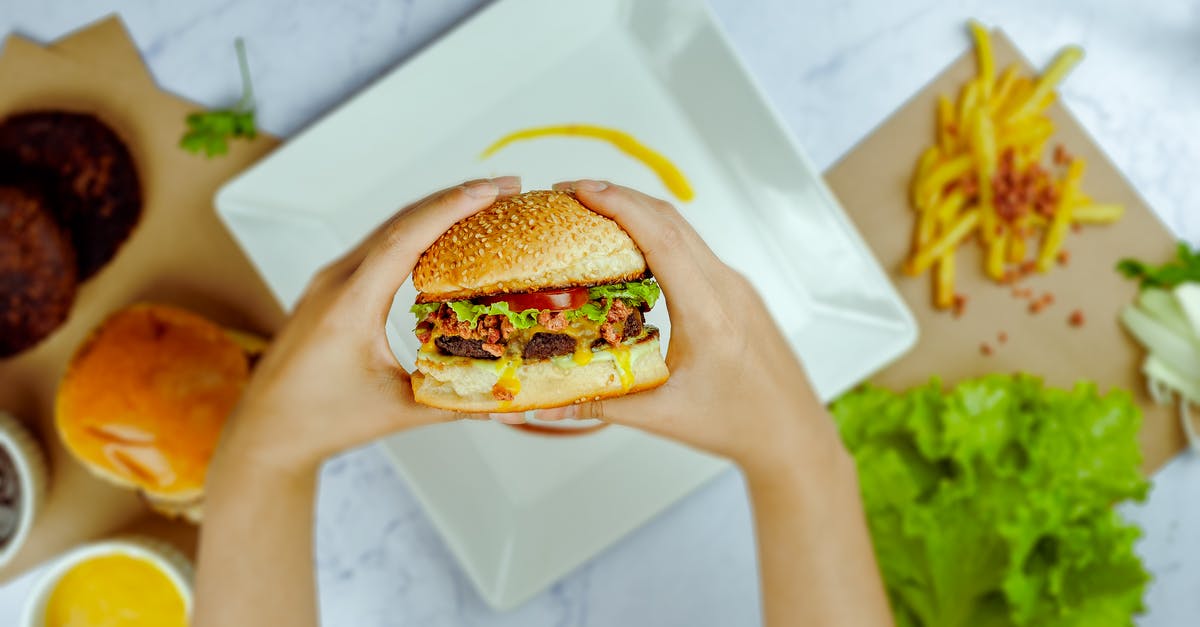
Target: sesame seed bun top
(533, 241)
(144, 399)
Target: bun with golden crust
(144, 400)
(533, 241)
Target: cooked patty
(37, 271)
(89, 177)
(547, 345)
(462, 347)
(633, 325)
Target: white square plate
(522, 510)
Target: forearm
(255, 564)
(816, 561)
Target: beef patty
(37, 271)
(88, 174)
(547, 345)
(462, 347)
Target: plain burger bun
(528, 242)
(456, 385)
(144, 399)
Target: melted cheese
(582, 355)
(116, 591)
(507, 367)
(621, 358)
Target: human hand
(330, 380)
(736, 389)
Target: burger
(144, 400)
(532, 303)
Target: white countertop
(835, 69)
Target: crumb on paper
(986, 349)
(1064, 257)
(1076, 319)
(1002, 337)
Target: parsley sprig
(209, 132)
(1185, 269)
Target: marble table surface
(835, 69)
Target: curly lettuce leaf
(635, 292)
(422, 310)
(992, 503)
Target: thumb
(643, 410)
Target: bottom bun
(465, 385)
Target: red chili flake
(985, 348)
(960, 304)
(1002, 337)
(1064, 257)
(1036, 307)
(1076, 318)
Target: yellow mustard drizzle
(508, 381)
(670, 175)
(624, 366)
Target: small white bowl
(173, 564)
(30, 464)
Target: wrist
(798, 447)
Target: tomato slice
(552, 300)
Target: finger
(644, 410)
(336, 271)
(508, 418)
(673, 249)
(554, 414)
(392, 254)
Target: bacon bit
(493, 349)
(553, 320)
(1027, 267)
(1002, 337)
(1061, 156)
(1076, 318)
(986, 349)
(492, 336)
(619, 311)
(424, 333)
(1064, 257)
(506, 328)
(960, 305)
(501, 393)
(608, 331)
(1036, 307)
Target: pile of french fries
(984, 176)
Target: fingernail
(563, 187)
(507, 182)
(588, 185)
(482, 189)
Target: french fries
(983, 176)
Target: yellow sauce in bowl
(116, 591)
(670, 175)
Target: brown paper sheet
(179, 254)
(872, 184)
